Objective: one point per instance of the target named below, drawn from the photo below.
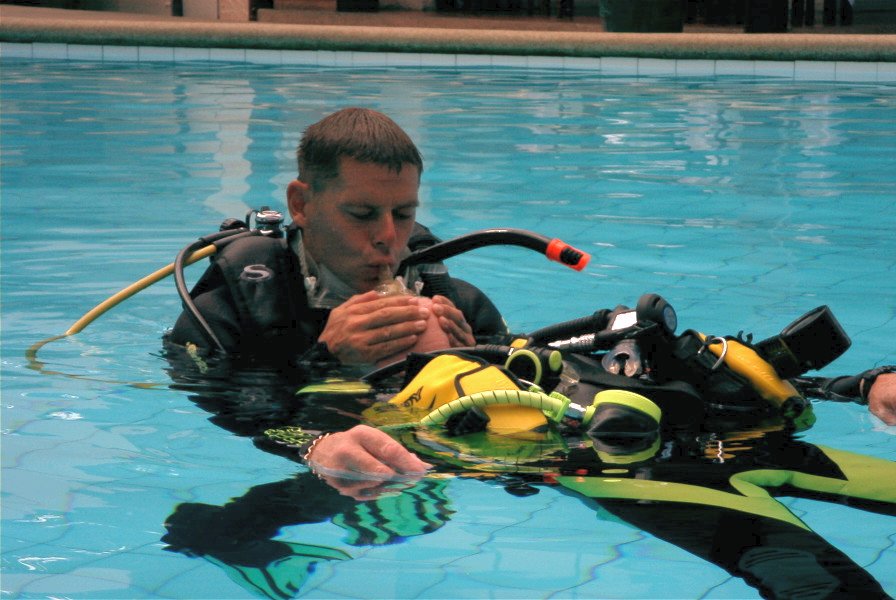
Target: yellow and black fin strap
(863, 477)
(420, 509)
(283, 577)
(758, 502)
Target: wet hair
(363, 134)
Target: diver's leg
(780, 559)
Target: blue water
(745, 202)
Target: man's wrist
(300, 441)
(870, 376)
(308, 448)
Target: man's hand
(453, 322)
(882, 398)
(364, 462)
(369, 327)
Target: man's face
(359, 222)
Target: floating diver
(709, 488)
(694, 459)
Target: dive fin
(282, 578)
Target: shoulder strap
(265, 284)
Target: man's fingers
(389, 452)
(453, 322)
(395, 307)
(367, 450)
(369, 327)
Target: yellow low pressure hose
(137, 286)
(540, 400)
(115, 299)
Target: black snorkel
(435, 275)
(553, 248)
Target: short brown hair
(359, 133)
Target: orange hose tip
(560, 251)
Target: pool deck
(438, 33)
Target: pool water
(745, 202)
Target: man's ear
(296, 198)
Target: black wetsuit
(254, 300)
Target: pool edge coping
(879, 48)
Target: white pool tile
(369, 59)
(438, 60)
(735, 67)
(886, 72)
(326, 58)
(510, 60)
(121, 53)
(587, 63)
(546, 62)
(656, 66)
(50, 51)
(474, 60)
(855, 71)
(619, 65)
(773, 68)
(87, 52)
(227, 54)
(15, 50)
(155, 54)
(257, 56)
(192, 54)
(343, 58)
(298, 57)
(695, 68)
(810, 70)
(403, 59)
(798, 70)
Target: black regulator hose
(217, 240)
(554, 249)
(591, 324)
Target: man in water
(314, 295)
(354, 210)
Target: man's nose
(384, 234)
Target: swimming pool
(743, 201)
